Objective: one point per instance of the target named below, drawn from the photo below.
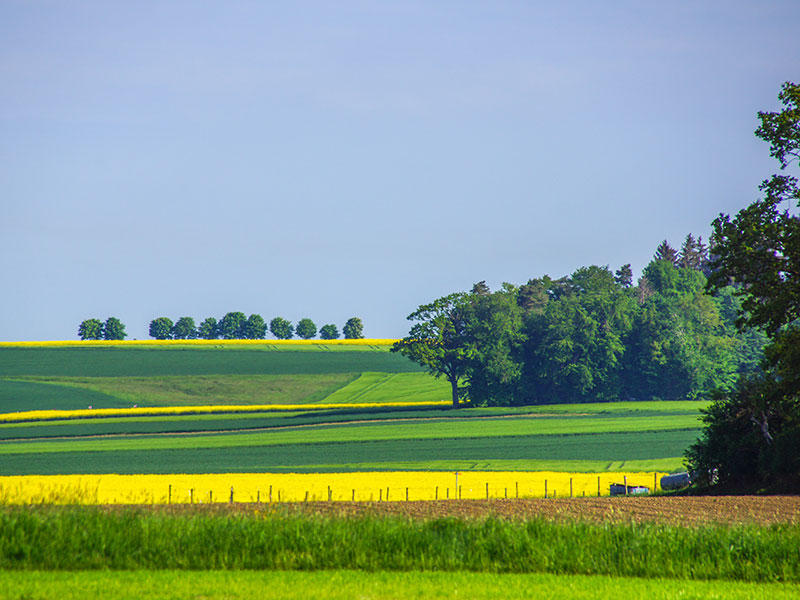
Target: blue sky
(338, 159)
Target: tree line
(722, 322)
(589, 336)
(234, 325)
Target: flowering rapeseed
(297, 487)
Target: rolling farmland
(308, 442)
(381, 432)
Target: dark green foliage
(114, 329)
(281, 328)
(184, 329)
(586, 337)
(752, 434)
(91, 329)
(208, 329)
(231, 326)
(353, 329)
(495, 333)
(666, 252)
(329, 332)
(575, 345)
(254, 328)
(439, 340)
(306, 329)
(161, 328)
(70, 538)
(624, 276)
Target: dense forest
(591, 336)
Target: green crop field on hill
(378, 433)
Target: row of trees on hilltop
(95, 329)
(590, 336)
(236, 325)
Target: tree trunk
(454, 386)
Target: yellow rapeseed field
(49, 415)
(86, 343)
(299, 487)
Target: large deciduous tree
(255, 328)
(439, 339)
(329, 332)
(184, 329)
(306, 329)
(231, 326)
(208, 329)
(353, 329)
(281, 328)
(114, 329)
(161, 328)
(752, 434)
(91, 329)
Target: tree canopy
(752, 433)
(353, 329)
(91, 329)
(161, 328)
(114, 329)
(281, 328)
(329, 332)
(306, 329)
(438, 339)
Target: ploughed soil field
(690, 511)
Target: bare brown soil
(689, 511)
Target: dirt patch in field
(691, 511)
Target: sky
(347, 158)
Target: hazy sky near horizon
(359, 158)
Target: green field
(133, 538)
(382, 585)
(579, 437)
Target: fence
(306, 487)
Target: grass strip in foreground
(346, 584)
(88, 538)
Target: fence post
(459, 492)
(191, 495)
(517, 484)
(598, 486)
(545, 488)
(625, 482)
(354, 495)
(447, 493)
(231, 502)
(506, 490)
(306, 500)
(270, 493)
(387, 493)
(487, 490)
(258, 496)
(210, 496)
(329, 493)
(570, 487)
(406, 494)
(655, 482)
(169, 496)
(436, 493)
